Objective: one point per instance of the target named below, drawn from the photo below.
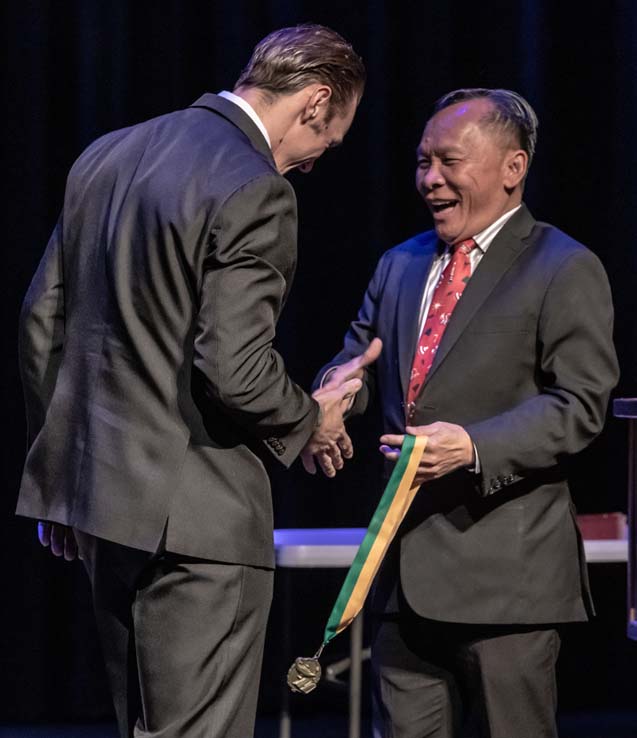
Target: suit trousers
(448, 680)
(182, 639)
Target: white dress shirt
(483, 239)
(249, 110)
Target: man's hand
(449, 447)
(59, 537)
(354, 368)
(329, 443)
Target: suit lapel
(408, 308)
(238, 117)
(503, 251)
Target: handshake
(330, 444)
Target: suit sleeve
(251, 260)
(576, 368)
(41, 334)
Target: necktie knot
(465, 247)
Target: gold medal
(305, 673)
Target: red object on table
(603, 526)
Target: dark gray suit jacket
(146, 340)
(526, 365)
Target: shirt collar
(484, 239)
(248, 110)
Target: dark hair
(511, 113)
(289, 59)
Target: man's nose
(306, 167)
(432, 177)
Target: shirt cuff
(475, 468)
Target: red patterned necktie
(448, 291)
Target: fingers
(346, 446)
(327, 464)
(44, 532)
(58, 534)
(60, 538)
(356, 365)
(330, 458)
(389, 439)
(355, 368)
(422, 430)
(389, 452)
(350, 388)
(308, 462)
(70, 545)
(331, 394)
(371, 353)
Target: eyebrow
(446, 151)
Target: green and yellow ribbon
(399, 493)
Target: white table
(335, 548)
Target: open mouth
(441, 206)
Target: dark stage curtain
(75, 69)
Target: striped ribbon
(389, 514)
(305, 673)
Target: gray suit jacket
(151, 385)
(526, 365)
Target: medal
(305, 673)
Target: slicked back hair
(511, 114)
(289, 59)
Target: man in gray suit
(497, 333)
(153, 390)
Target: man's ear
(516, 164)
(317, 102)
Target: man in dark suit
(489, 559)
(153, 390)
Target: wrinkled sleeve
(577, 369)
(41, 334)
(246, 279)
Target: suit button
(275, 445)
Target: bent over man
(152, 388)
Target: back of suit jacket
(525, 365)
(146, 340)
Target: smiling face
(311, 135)
(468, 173)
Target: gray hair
(512, 114)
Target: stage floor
(572, 725)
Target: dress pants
(182, 639)
(447, 680)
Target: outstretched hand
(354, 368)
(449, 447)
(330, 444)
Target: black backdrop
(77, 68)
